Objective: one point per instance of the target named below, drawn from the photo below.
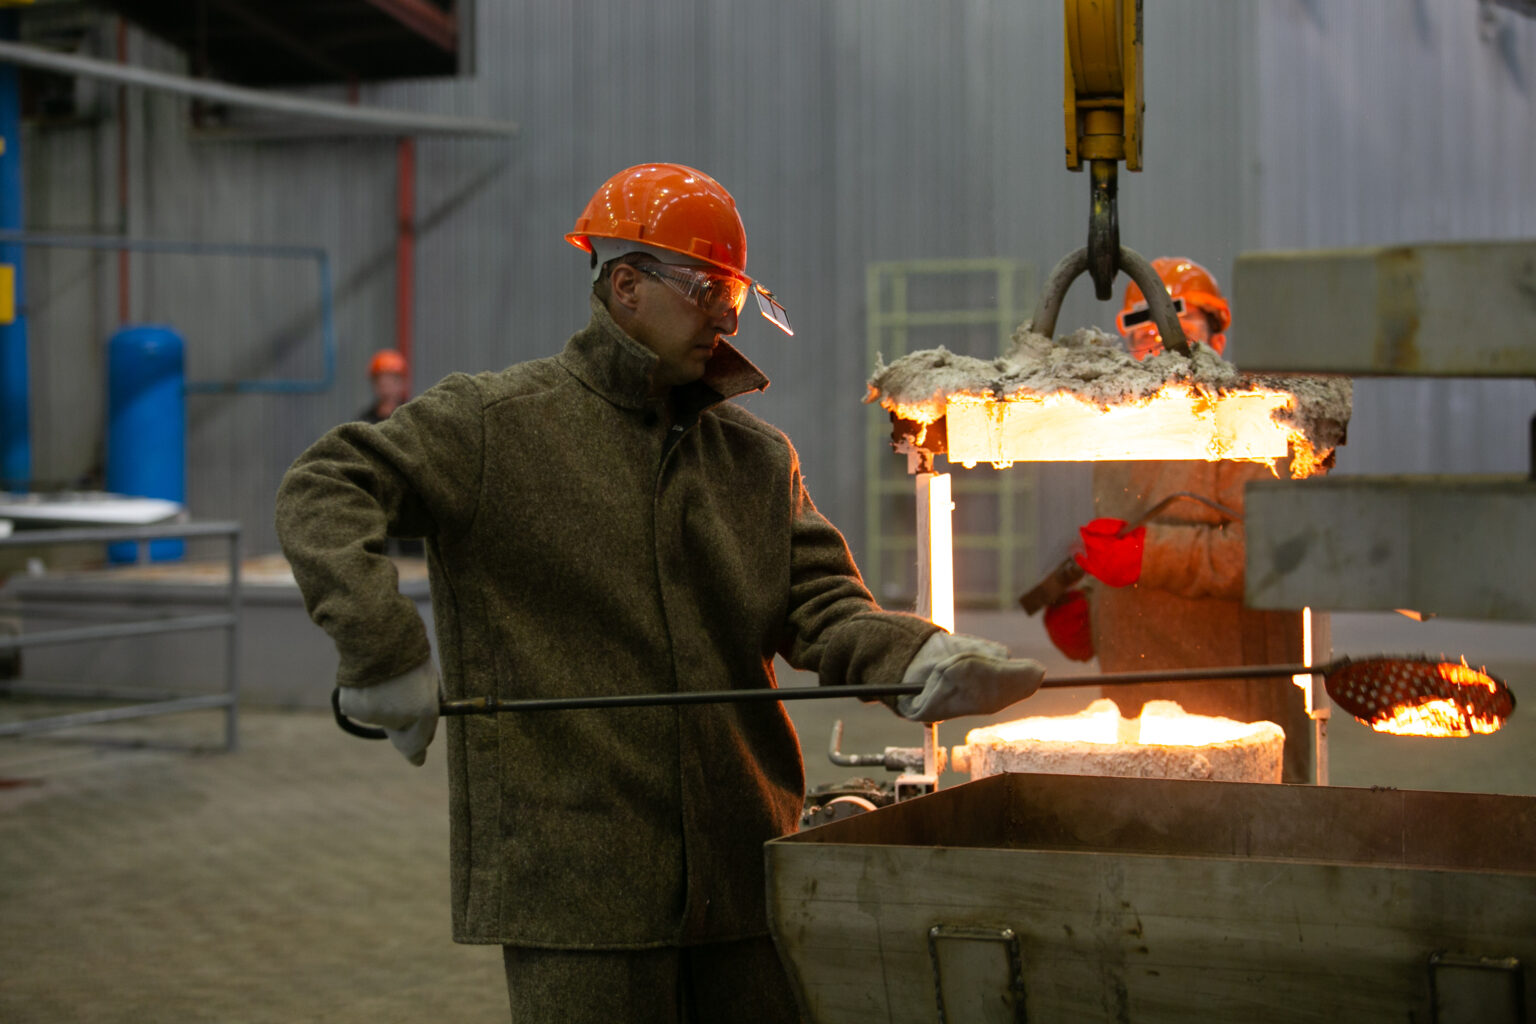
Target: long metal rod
(156, 245)
(1190, 675)
(81, 691)
(232, 649)
(491, 705)
(398, 122)
(405, 255)
(163, 707)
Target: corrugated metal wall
(1383, 123)
(850, 131)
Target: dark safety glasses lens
(1132, 317)
(1141, 314)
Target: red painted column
(405, 254)
(124, 303)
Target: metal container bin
(1075, 898)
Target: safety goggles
(1141, 314)
(715, 293)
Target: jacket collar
(619, 368)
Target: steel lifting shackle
(1159, 302)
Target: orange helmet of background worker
(675, 213)
(1203, 310)
(391, 385)
(386, 361)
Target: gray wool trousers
(705, 984)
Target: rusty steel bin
(1075, 898)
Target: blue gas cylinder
(147, 425)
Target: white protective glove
(406, 706)
(965, 675)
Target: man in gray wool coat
(606, 520)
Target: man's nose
(728, 322)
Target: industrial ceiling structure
(301, 42)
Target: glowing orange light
(1165, 723)
(1443, 718)
(923, 414)
(1305, 461)
(1162, 723)
(1445, 699)
(1098, 723)
(934, 492)
(1463, 675)
(1179, 421)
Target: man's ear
(624, 284)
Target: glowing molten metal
(1082, 398)
(1428, 699)
(1179, 421)
(1165, 742)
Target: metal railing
(164, 247)
(898, 322)
(228, 620)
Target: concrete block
(1462, 547)
(1441, 310)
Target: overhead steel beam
(300, 47)
(1454, 309)
(432, 23)
(394, 122)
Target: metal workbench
(227, 620)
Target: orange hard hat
(386, 361)
(1196, 297)
(669, 207)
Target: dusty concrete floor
(304, 878)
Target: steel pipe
(387, 122)
(106, 534)
(162, 707)
(116, 630)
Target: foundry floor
(145, 876)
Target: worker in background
(607, 520)
(1169, 593)
(390, 376)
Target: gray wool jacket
(579, 545)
